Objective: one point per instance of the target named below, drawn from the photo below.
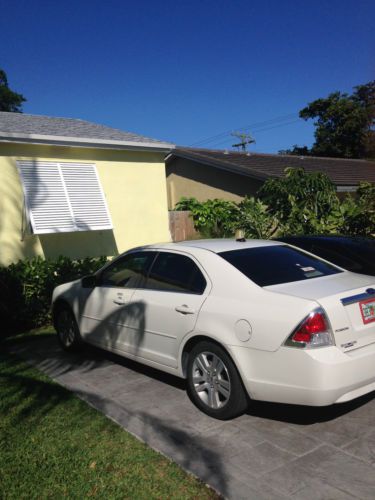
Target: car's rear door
(173, 295)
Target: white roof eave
(84, 142)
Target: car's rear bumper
(315, 377)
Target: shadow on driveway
(259, 455)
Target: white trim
(67, 140)
(346, 189)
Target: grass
(53, 445)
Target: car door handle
(184, 309)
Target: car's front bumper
(315, 377)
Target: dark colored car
(356, 254)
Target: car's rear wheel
(213, 382)
(67, 329)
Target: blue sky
(186, 71)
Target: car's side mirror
(89, 281)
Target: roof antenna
(240, 235)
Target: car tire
(213, 382)
(67, 330)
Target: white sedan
(240, 320)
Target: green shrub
(26, 289)
(212, 218)
(300, 203)
(255, 219)
(359, 214)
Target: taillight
(313, 331)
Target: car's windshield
(274, 265)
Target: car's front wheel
(213, 382)
(67, 329)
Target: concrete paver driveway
(274, 451)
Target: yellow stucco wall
(135, 189)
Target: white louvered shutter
(63, 197)
(85, 196)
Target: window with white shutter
(63, 197)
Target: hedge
(26, 289)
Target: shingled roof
(342, 172)
(16, 127)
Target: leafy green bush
(297, 204)
(255, 219)
(359, 214)
(221, 218)
(212, 218)
(303, 203)
(307, 203)
(26, 289)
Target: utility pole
(244, 138)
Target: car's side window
(173, 272)
(129, 271)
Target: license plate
(367, 308)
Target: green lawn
(53, 445)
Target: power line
(252, 126)
(258, 131)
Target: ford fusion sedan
(239, 320)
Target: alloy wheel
(211, 380)
(66, 328)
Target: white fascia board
(85, 142)
(346, 189)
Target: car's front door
(109, 315)
(172, 296)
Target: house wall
(191, 179)
(135, 190)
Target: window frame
(99, 274)
(182, 254)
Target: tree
(359, 213)
(9, 100)
(296, 151)
(255, 219)
(303, 203)
(344, 126)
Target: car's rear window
(274, 265)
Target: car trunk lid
(349, 301)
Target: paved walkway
(274, 451)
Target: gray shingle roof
(342, 172)
(20, 124)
